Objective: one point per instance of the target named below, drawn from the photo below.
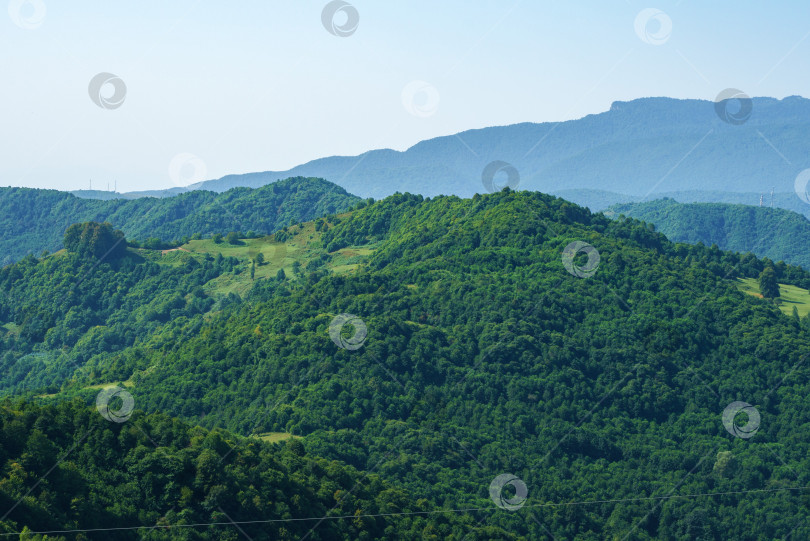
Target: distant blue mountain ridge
(637, 150)
(641, 147)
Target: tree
(95, 239)
(153, 243)
(767, 283)
(281, 275)
(252, 270)
(232, 238)
(259, 259)
(217, 238)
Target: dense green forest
(598, 379)
(778, 234)
(35, 220)
(155, 477)
(62, 310)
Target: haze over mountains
(637, 149)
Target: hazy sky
(213, 88)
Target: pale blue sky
(261, 85)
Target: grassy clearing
(790, 296)
(303, 246)
(127, 383)
(11, 327)
(99, 386)
(750, 286)
(274, 437)
(343, 269)
(277, 255)
(794, 296)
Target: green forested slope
(778, 234)
(154, 477)
(485, 356)
(64, 309)
(35, 220)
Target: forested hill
(35, 220)
(778, 234)
(444, 343)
